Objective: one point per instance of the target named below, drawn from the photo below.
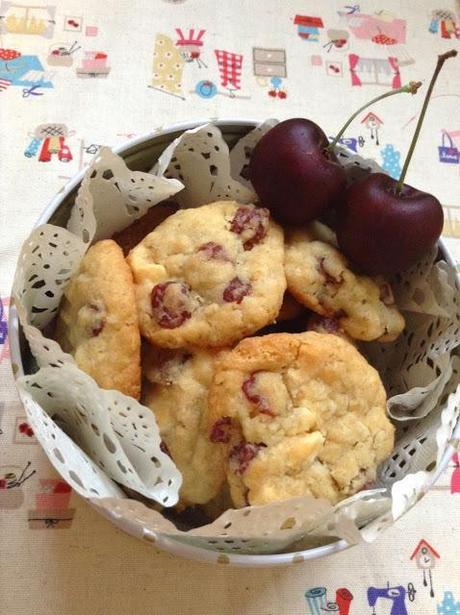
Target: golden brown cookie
(320, 278)
(177, 393)
(298, 414)
(97, 321)
(209, 276)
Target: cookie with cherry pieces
(320, 278)
(97, 321)
(298, 414)
(209, 276)
(177, 393)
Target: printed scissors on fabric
(26, 92)
(354, 8)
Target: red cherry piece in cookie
(98, 323)
(252, 224)
(236, 290)
(23, 427)
(260, 402)
(272, 93)
(212, 250)
(221, 430)
(3, 484)
(171, 304)
(242, 454)
(30, 432)
(323, 323)
(282, 94)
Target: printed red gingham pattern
(230, 68)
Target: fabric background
(57, 556)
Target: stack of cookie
(251, 390)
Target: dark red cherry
(293, 174)
(384, 225)
(381, 231)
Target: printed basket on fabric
(107, 445)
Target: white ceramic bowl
(140, 154)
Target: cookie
(209, 276)
(97, 321)
(320, 278)
(298, 414)
(177, 393)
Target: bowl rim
(164, 542)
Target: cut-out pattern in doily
(70, 461)
(101, 422)
(82, 221)
(48, 259)
(241, 152)
(120, 196)
(200, 159)
(46, 352)
(271, 528)
(421, 443)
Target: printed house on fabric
(372, 122)
(308, 27)
(425, 558)
(425, 555)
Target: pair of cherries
(382, 225)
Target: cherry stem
(441, 59)
(409, 88)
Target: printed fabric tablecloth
(78, 74)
